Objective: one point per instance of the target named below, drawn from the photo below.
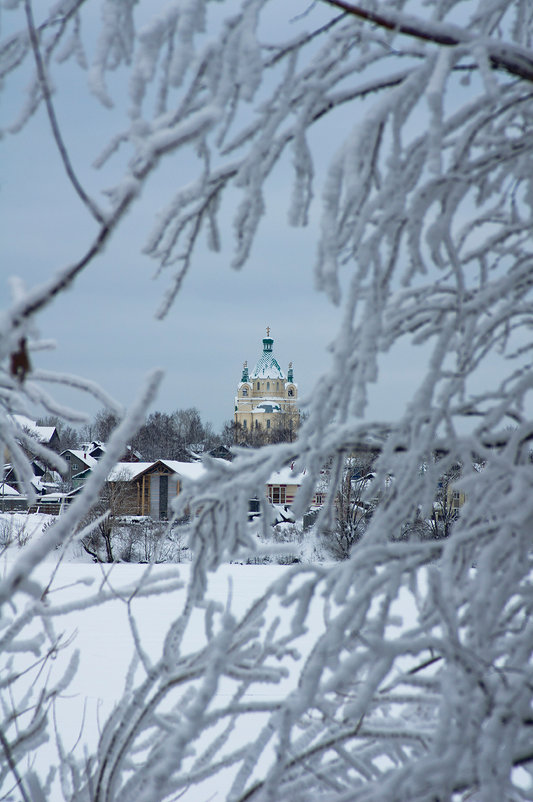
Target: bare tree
(444, 512)
(107, 516)
(424, 238)
(283, 429)
(354, 506)
(103, 424)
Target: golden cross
(268, 331)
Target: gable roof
(83, 456)
(7, 490)
(128, 471)
(286, 476)
(43, 434)
(187, 470)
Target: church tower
(266, 400)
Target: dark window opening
(163, 497)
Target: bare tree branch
(503, 55)
(45, 89)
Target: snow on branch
(410, 129)
(508, 56)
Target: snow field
(103, 637)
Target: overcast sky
(105, 327)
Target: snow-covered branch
(403, 672)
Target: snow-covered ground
(103, 637)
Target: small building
(30, 437)
(78, 460)
(10, 499)
(147, 488)
(283, 485)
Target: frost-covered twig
(45, 89)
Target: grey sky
(105, 328)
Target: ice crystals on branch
(425, 239)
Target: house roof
(83, 456)
(188, 470)
(127, 471)
(94, 445)
(43, 434)
(286, 477)
(7, 490)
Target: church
(266, 400)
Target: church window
(245, 391)
(244, 424)
(258, 385)
(268, 385)
(290, 392)
(257, 424)
(268, 423)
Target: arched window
(268, 385)
(244, 424)
(258, 385)
(245, 391)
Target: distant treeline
(163, 435)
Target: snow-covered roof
(41, 433)
(267, 407)
(94, 445)
(82, 456)
(267, 366)
(188, 470)
(283, 514)
(7, 490)
(126, 471)
(286, 477)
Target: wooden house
(147, 488)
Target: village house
(283, 485)
(147, 488)
(44, 435)
(78, 461)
